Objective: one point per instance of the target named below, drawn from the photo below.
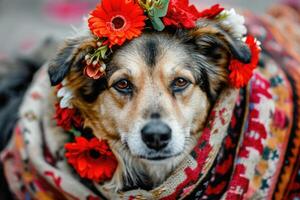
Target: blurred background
(24, 23)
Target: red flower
(94, 71)
(91, 159)
(65, 117)
(117, 20)
(241, 73)
(181, 15)
(211, 12)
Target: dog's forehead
(152, 51)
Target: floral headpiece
(114, 22)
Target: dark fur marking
(111, 68)
(95, 89)
(240, 51)
(205, 84)
(199, 70)
(150, 52)
(61, 65)
(213, 50)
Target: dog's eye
(123, 86)
(179, 84)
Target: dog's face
(157, 91)
(153, 99)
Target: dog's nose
(156, 135)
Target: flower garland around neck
(113, 22)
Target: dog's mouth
(158, 158)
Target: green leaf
(103, 51)
(75, 132)
(156, 9)
(157, 24)
(160, 8)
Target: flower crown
(114, 22)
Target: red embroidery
(193, 174)
(56, 180)
(225, 166)
(215, 190)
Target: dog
(154, 104)
(156, 96)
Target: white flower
(258, 43)
(66, 95)
(235, 22)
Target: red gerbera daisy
(66, 117)
(91, 159)
(241, 73)
(117, 20)
(211, 12)
(181, 15)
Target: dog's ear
(210, 37)
(70, 55)
(215, 47)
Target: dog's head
(158, 88)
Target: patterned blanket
(249, 148)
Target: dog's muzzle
(156, 134)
